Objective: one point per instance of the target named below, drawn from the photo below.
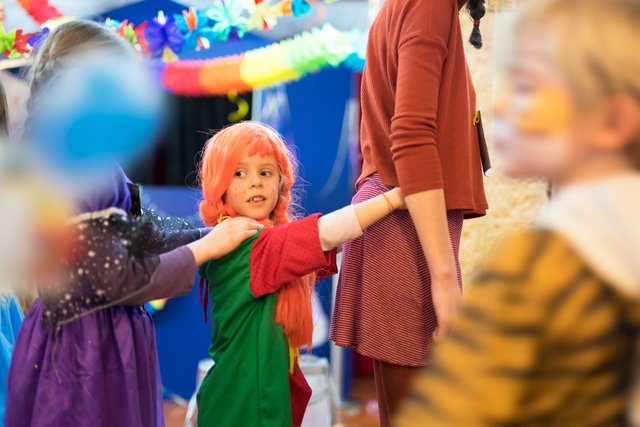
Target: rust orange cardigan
(418, 104)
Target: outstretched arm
(174, 275)
(284, 253)
(134, 280)
(348, 223)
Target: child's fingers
(248, 222)
(248, 233)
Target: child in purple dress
(86, 353)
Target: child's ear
(620, 123)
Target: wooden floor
(363, 412)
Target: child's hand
(228, 235)
(396, 199)
(224, 238)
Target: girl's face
(538, 133)
(255, 188)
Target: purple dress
(86, 352)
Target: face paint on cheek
(548, 112)
(545, 153)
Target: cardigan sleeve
(114, 273)
(164, 241)
(422, 52)
(107, 264)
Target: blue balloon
(94, 114)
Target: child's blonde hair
(67, 40)
(595, 48)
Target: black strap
(484, 151)
(136, 203)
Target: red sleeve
(422, 52)
(287, 252)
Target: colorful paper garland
(278, 63)
(167, 37)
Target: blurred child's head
(91, 107)
(573, 109)
(66, 42)
(247, 170)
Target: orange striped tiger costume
(548, 334)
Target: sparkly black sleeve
(109, 264)
(168, 233)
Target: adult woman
(418, 133)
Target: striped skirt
(383, 304)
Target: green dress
(250, 384)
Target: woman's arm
(422, 54)
(429, 214)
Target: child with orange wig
(261, 292)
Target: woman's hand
(224, 238)
(447, 302)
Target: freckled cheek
(274, 189)
(235, 193)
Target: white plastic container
(321, 409)
(191, 420)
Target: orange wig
(222, 153)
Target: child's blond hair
(595, 48)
